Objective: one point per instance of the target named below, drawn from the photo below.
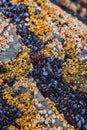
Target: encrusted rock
(9, 44)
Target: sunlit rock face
(9, 44)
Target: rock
(8, 48)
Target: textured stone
(9, 44)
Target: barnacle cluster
(38, 22)
(74, 71)
(18, 67)
(24, 102)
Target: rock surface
(9, 44)
(52, 63)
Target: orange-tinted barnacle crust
(74, 71)
(38, 23)
(24, 102)
(17, 67)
